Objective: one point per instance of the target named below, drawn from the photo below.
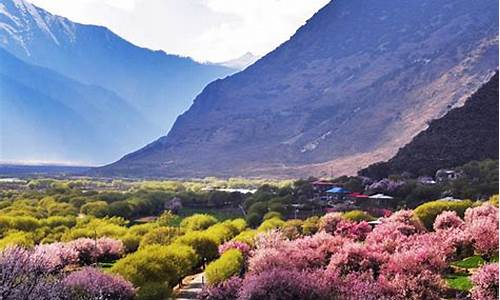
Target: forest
(84, 238)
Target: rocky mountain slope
(46, 116)
(464, 134)
(159, 85)
(359, 80)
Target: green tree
(198, 222)
(97, 209)
(226, 266)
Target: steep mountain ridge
(159, 85)
(464, 134)
(354, 84)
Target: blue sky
(206, 30)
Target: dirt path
(191, 289)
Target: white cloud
(207, 30)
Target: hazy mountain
(241, 62)
(464, 134)
(359, 80)
(160, 86)
(46, 116)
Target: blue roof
(337, 190)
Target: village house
(443, 175)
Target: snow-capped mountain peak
(21, 23)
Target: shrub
(407, 217)
(222, 232)
(142, 229)
(109, 249)
(485, 282)
(484, 211)
(27, 276)
(271, 224)
(119, 209)
(198, 222)
(358, 216)
(226, 266)
(56, 255)
(241, 246)
(24, 223)
(259, 208)
(164, 264)
(428, 212)
(292, 229)
(328, 222)
(421, 285)
(281, 284)
(160, 236)
(17, 238)
(227, 290)
(167, 218)
(94, 227)
(103, 249)
(246, 237)
(253, 219)
(269, 239)
(97, 209)
(131, 242)
(87, 249)
(481, 223)
(56, 221)
(448, 220)
(356, 258)
(272, 214)
(493, 200)
(310, 225)
(239, 224)
(205, 246)
(154, 291)
(302, 254)
(393, 232)
(356, 231)
(89, 283)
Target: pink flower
(329, 222)
(92, 283)
(356, 231)
(486, 210)
(270, 239)
(227, 290)
(56, 255)
(421, 285)
(355, 258)
(407, 217)
(243, 247)
(88, 250)
(24, 275)
(102, 249)
(447, 220)
(481, 223)
(485, 282)
(109, 248)
(282, 284)
(305, 253)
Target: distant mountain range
(241, 62)
(141, 91)
(358, 81)
(46, 113)
(464, 134)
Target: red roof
(358, 195)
